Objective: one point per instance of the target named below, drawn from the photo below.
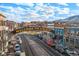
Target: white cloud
(64, 4)
(40, 18)
(75, 12)
(40, 4)
(34, 15)
(64, 11)
(26, 4)
(13, 13)
(31, 14)
(11, 16)
(39, 8)
(49, 9)
(72, 14)
(17, 10)
(30, 4)
(46, 10)
(77, 4)
(6, 7)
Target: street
(32, 46)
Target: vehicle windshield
(17, 45)
(17, 37)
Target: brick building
(2, 27)
(11, 24)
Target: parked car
(59, 48)
(19, 40)
(17, 50)
(17, 53)
(71, 52)
(17, 47)
(39, 36)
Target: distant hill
(70, 19)
(73, 18)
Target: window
(71, 41)
(77, 33)
(67, 39)
(72, 31)
(17, 31)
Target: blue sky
(20, 12)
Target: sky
(21, 12)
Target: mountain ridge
(74, 18)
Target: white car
(17, 47)
(19, 40)
(17, 53)
(71, 52)
(17, 50)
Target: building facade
(72, 35)
(60, 31)
(2, 28)
(11, 25)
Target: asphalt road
(49, 49)
(34, 48)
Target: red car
(50, 42)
